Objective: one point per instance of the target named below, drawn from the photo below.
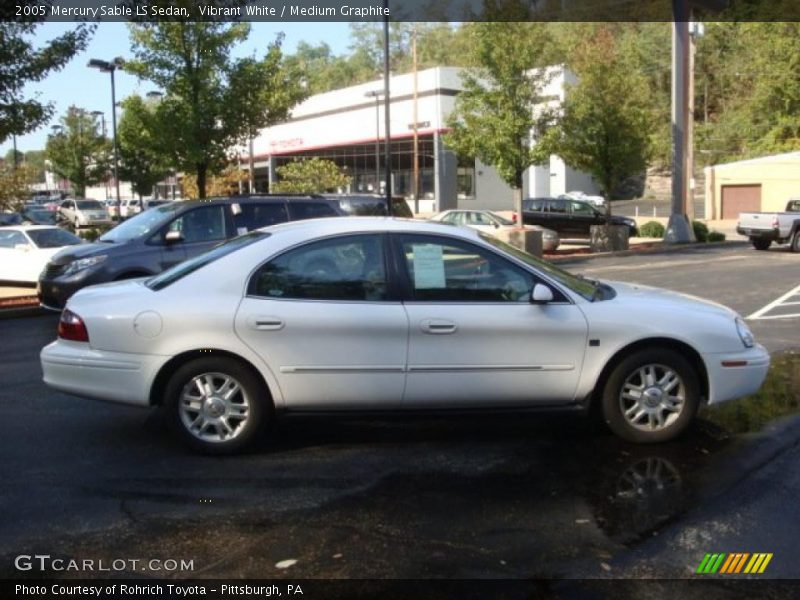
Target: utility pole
(416, 132)
(387, 149)
(679, 228)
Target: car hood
(71, 253)
(651, 298)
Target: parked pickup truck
(763, 228)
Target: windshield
(500, 219)
(584, 287)
(89, 205)
(181, 270)
(140, 225)
(53, 238)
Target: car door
(582, 216)
(324, 319)
(14, 259)
(475, 339)
(200, 229)
(67, 210)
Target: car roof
(342, 225)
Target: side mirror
(541, 294)
(172, 237)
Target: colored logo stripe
(734, 563)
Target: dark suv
(569, 217)
(166, 235)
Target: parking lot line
(759, 314)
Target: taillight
(514, 217)
(71, 327)
(775, 223)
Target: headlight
(744, 333)
(84, 263)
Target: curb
(656, 248)
(31, 310)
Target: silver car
(83, 213)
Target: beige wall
(779, 180)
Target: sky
(91, 89)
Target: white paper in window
(428, 266)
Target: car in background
(10, 218)
(490, 222)
(36, 214)
(374, 314)
(166, 235)
(80, 212)
(371, 205)
(595, 200)
(570, 218)
(764, 228)
(25, 250)
(131, 207)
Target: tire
(211, 423)
(796, 241)
(657, 407)
(761, 244)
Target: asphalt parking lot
(537, 496)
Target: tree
(225, 183)
(502, 100)
(605, 122)
(14, 185)
(21, 62)
(312, 175)
(79, 153)
(142, 160)
(207, 107)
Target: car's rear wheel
(651, 396)
(761, 244)
(216, 405)
(796, 241)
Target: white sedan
(26, 249)
(490, 222)
(354, 314)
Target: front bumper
(54, 289)
(735, 375)
(77, 369)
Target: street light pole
(377, 94)
(387, 152)
(111, 67)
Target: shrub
(716, 236)
(700, 231)
(652, 229)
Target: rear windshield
(140, 225)
(89, 205)
(53, 238)
(183, 269)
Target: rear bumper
(735, 375)
(77, 369)
(759, 234)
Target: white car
(490, 222)
(595, 200)
(373, 314)
(26, 249)
(84, 213)
(130, 207)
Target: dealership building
(344, 125)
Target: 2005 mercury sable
(383, 314)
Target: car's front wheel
(651, 396)
(216, 405)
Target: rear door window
(257, 215)
(310, 210)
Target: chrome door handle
(438, 326)
(265, 323)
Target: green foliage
(309, 176)
(700, 231)
(652, 229)
(212, 101)
(14, 185)
(79, 153)
(142, 160)
(716, 236)
(92, 234)
(21, 63)
(605, 122)
(495, 114)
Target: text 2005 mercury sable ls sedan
(384, 314)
